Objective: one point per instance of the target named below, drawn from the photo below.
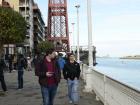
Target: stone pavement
(31, 94)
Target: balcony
(23, 13)
(22, 4)
(39, 35)
(28, 34)
(27, 41)
(39, 19)
(38, 27)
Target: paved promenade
(31, 94)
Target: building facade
(35, 26)
(39, 26)
(13, 4)
(5, 4)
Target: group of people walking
(21, 65)
(49, 69)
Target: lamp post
(88, 87)
(73, 34)
(90, 33)
(78, 55)
(70, 41)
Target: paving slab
(31, 94)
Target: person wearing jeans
(20, 78)
(21, 66)
(71, 73)
(48, 94)
(49, 74)
(73, 91)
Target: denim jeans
(48, 94)
(20, 79)
(3, 83)
(73, 90)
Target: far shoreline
(133, 58)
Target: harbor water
(124, 70)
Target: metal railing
(23, 4)
(109, 90)
(23, 13)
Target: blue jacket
(61, 63)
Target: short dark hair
(49, 51)
(71, 54)
(60, 54)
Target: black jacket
(21, 63)
(71, 70)
(2, 66)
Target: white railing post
(82, 70)
(88, 86)
(104, 89)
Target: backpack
(24, 63)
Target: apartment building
(5, 4)
(35, 28)
(39, 26)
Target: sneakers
(19, 88)
(70, 102)
(6, 91)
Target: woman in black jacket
(71, 73)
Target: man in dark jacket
(2, 66)
(71, 73)
(21, 64)
(49, 76)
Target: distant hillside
(131, 57)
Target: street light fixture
(78, 55)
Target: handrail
(137, 90)
(109, 90)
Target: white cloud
(120, 27)
(118, 48)
(118, 35)
(108, 1)
(114, 2)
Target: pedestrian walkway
(31, 94)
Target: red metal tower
(58, 25)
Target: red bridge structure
(57, 31)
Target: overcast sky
(116, 25)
